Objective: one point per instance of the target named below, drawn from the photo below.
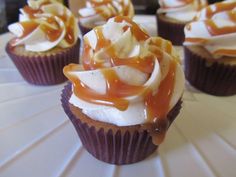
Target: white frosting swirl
(181, 10)
(97, 12)
(214, 29)
(120, 47)
(43, 25)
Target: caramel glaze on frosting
(217, 24)
(157, 102)
(55, 21)
(97, 12)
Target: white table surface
(38, 140)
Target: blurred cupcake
(126, 94)
(210, 49)
(46, 40)
(172, 16)
(97, 12)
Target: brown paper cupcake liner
(47, 69)
(173, 32)
(115, 145)
(83, 29)
(216, 78)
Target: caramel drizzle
(214, 30)
(219, 7)
(195, 40)
(111, 7)
(28, 27)
(225, 52)
(52, 34)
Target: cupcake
(127, 92)
(45, 41)
(97, 12)
(172, 16)
(210, 49)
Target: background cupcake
(172, 16)
(126, 94)
(97, 12)
(46, 40)
(210, 49)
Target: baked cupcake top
(43, 25)
(97, 12)
(127, 77)
(214, 29)
(181, 10)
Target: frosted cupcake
(97, 12)
(127, 92)
(210, 49)
(46, 40)
(172, 16)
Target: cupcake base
(108, 142)
(170, 30)
(211, 77)
(44, 69)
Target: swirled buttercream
(43, 25)
(214, 29)
(181, 10)
(97, 12)
(127, 77)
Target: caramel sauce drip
(69, 37)
(31, 12)
(158, 104)
(88, 62)
(214, 30)
(232, 16)
(115, 90)
(51, 33)
(139, 34)
(195, 40)
(145, 64)
(219, 7)
(102, 42)
(225, 52)
(28, 27)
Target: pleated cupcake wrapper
(171, 31)
(215, 78)
(113, 146)
(47, 69)
(83, 29)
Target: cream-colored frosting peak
(214, 29)
(181, 10)
(43, 25)
(97, 12)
